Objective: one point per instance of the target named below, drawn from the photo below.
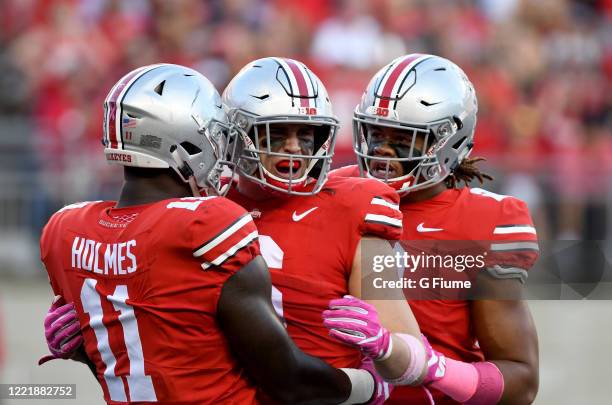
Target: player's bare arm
(507, 336)
(270, 357)
(394, 313)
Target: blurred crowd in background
(542, 70)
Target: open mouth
(284, 167)
(379, 170)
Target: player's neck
(252, 190)
(425, 194)
(139, 190)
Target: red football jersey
(309, 244)
(462, 215)
(145, 281)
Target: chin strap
(185, 171)
(194, 188)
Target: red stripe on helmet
(111, 101)
(301, 82)
(393, 78)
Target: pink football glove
(355, 322)
(382, 389)
(436, 363)
(62, 331)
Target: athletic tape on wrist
(362, 386)
(418, 361)
(490, 384)
(460, 380)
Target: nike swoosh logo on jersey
(421, 228)
(297, 217)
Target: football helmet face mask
(169, 116)
(274, 92)
(431, 101)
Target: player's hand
(382, 389)
(355, 322)
(436, 363)
(62, 331)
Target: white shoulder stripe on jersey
(509, 229)
(77, 205)
(231, 251)
(383, 219)
(245, 219)
(501, 247)
(487, 193)
(384, 203)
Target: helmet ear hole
(458, 144)
(458, 122)
(190, 148)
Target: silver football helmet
(168, 116)
(425, 95)
(272, 91)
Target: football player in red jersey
(311, 228)
(171, 294)
(414, 130)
